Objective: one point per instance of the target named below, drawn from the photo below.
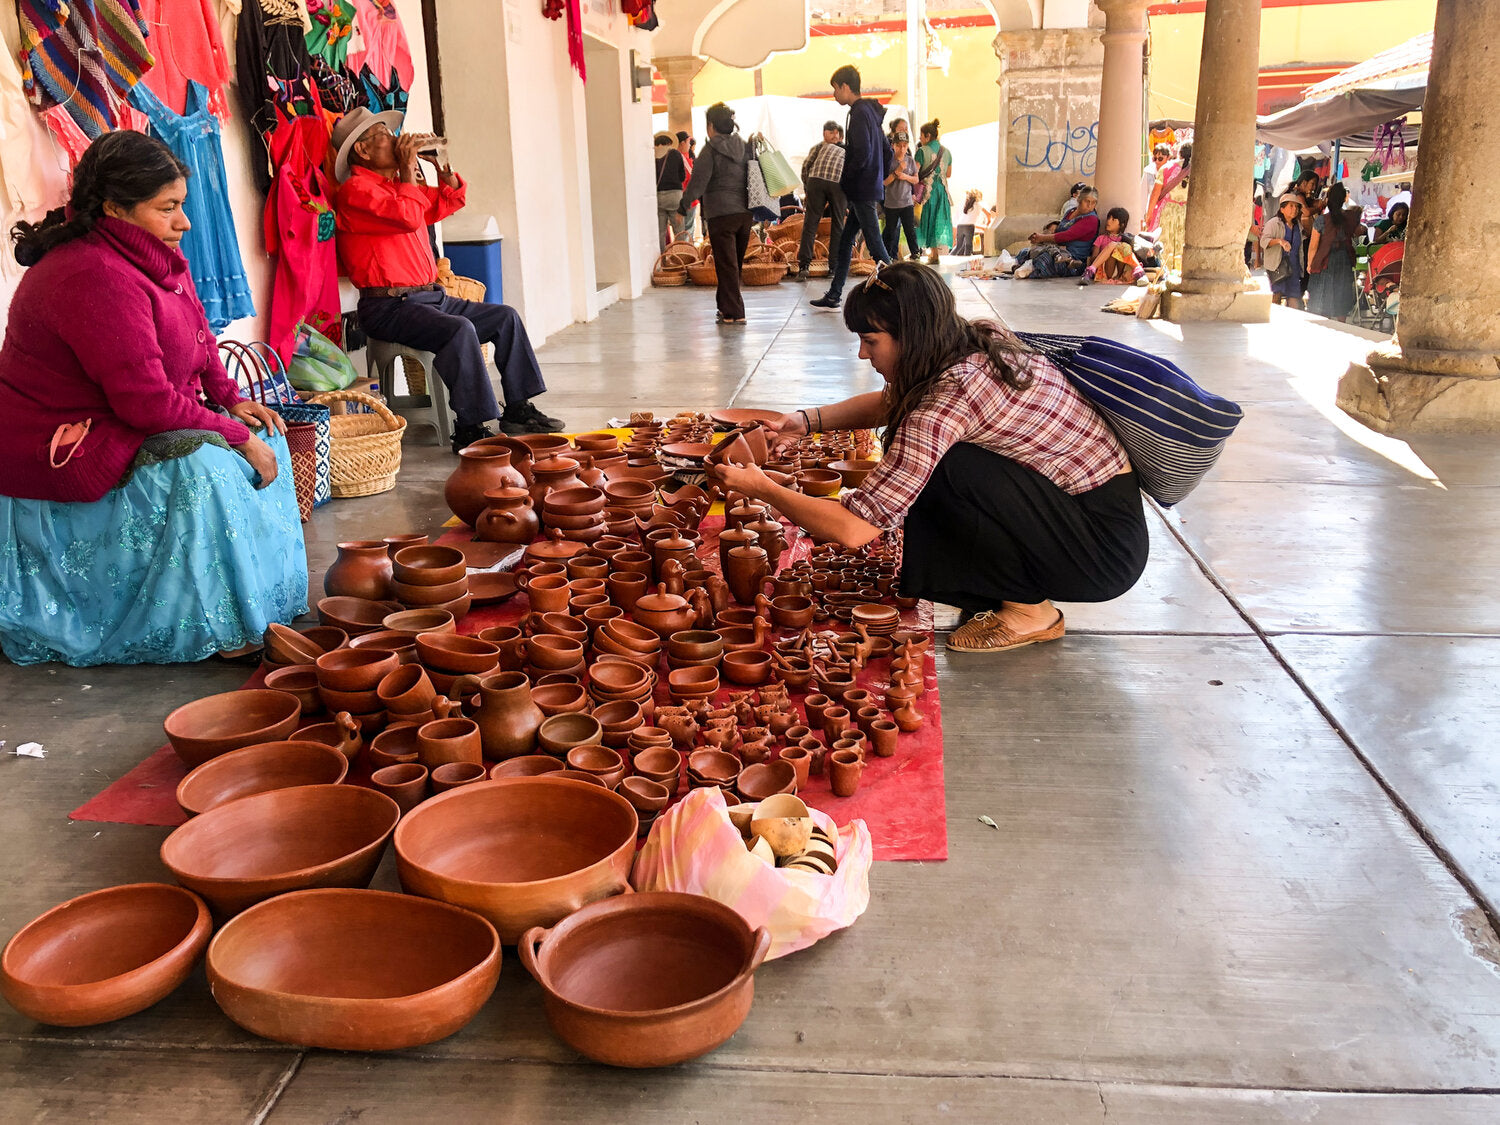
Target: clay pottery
(596, 616)
(561, 733)
(560, 699)
(480, 469)
(836, 722)
(548, 593)
(285, 840)
(647, 797)
(549, 652)
(560, 624)
(449, 740)
(509, 516)
(437, 596)
(852, 474)
(739, 638)
(357, 615)
(764, 779)
(692, 683)
(217, 724)
(907, 718)
(285, 645)
(528, 765)
(883, 737)
(508, 716)
(800, 759)
(580, 775)
(554, 473)
(617, 718)
(791, 611)
(844, 770)
(300, 680)
(587, 568)
(663, 613)
(681, 725)
(621, 679)
(457, 654)
(394, 543)
(520, 851)
(748, 668)
(729, 539)
(362, 570)
(719, 733)
(625, 588)
(627, 638)
(512, 644)
(355, 669)
(755, 745)
(815, 706)
(792, 672)
(640, 562)
(341, 732)
(818, 482)
(599, 441)
(671, 547)
(694, 646)
(406, 691)
(600, 761)
(432, 565)
(580, 604)
(394, 746)
(259, 769)
(712, 767)
(573, 502)
(745, 569)
(354, 970)
(646, 980)
(104, 955)
(406, 783)
(866, 717)
(402, 645)
(660, 764)
(520, 453)
(413, 621)
(454, 774)
(632, 494)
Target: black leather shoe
(524, 418)
(464, 436)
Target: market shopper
(719, 181)
(671, 175)
(1281, 243)
(866, 158)
(383, 211)
(1330, 257)
(1392, 228)
(137, 523)
(935, 165)
(821, 171)
(900, 212)
(1010, 488)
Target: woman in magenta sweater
(141, 517)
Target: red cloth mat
(901, 798)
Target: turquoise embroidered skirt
(184, 560)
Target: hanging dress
(187, 45)
(385, 47)
(211, 247)
(299, 229)
(935, 225)
(270, 50)
(332, 30)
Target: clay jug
(673, 547)
(480, 468)
(745, 569)
(362, 570)
(509, 517)
(770, 536)
(520, 454)
(508, 718)
(844, 770)
(551, 473)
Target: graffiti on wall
(1067, 148)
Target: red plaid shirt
(1048, 427)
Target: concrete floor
(1247, 853)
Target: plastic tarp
(1356, 111)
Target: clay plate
(487, 588)
(729, 417)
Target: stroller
(1379, 299)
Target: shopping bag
(695, 849)
(775, 169)
(265, 379)
(318, 364)
(762, 206)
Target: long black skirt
(987, 530)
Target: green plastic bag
(779, 177)
(318, 364)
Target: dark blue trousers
(862, 218)
(453, 331)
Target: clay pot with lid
(664, 613)
(509, 516)
(362, 570)
(746, 568)
(480, 468)
(554, 473)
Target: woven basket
(366, 447)
(302, 444)
(703, 273)
(671, 268)
(764, 265)
(463, 288)
(820, 266)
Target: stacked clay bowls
(353, 970)
(217, 724)
(648, 979)
(259, 769)
(521, 851)
(286, 840)
(105, 955)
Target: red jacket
(382, 228)
(107, 327)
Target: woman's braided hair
(123, 167)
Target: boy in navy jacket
(867, 159)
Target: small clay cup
(801, 761)
(883, 734)
(449, 740)
(548, 594)
(404, 783)
(454, 774)
(844, 770)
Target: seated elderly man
(383, 209)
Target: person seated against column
(1114, 261)
(1010, 489)
(821, 170)
(1065, 251)
(1392, 228)
(383, 210)
(867, 157)
(1071, 203)
(143, 520)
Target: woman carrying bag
(935, 224)
(1281, 239)
(719, 181)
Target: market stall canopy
(737, 33)
(1355, 100)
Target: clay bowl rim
(582, 695)
(187, 949)
(355, 666)
(336, 607)
(622, 675)
(659, 802)
(574, 718)
(387, 640)
(769, 766)
(247, 755)
(438, 649)
(649, 749)
(613, 725)
(733, 763)
(428, 564)
(551, 764)
(558, 648)
(695, 677)
(289, 671)
(251, 737)
(366, 1008)
(432, 621)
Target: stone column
(1215, 284)
(1121, 115)
(1441, 374)
(679, 71)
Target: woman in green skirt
(934, 166)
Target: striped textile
(83, 56)
(1173, 429)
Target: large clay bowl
(522, 851)
(355, 669)
(217, 724)
(457, 654)
(766, 779)
(356, 615)
(414, 621)
(747, 667)
(648, 979)
(576, 501)
(853, 473)
(285, 645)
(423, 597)
(259, 769)
(286, 840)
(560, 699)
(105, 955)
(428, 566)
(404, 645)
(326, 637)
(353, 970)
(528, 765)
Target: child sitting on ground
(1114, 261)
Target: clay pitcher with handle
(508, 718)
(745, 569)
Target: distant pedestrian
(973, 215)
(820, 181)
(719, 181)
(1330, 290)
(866, 155)
(900, 211)
(687, 145)
(935, 165)
(1281, 239)
(1169, 207)
(1160, 154)
(671, 175)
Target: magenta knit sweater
(107, 327)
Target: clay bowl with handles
(355, 615)
(300, 680)
(428, 566)
(259, 769)
(456, 654)
(217, 724)
(646, 980)
(353, 970)
(521, 851)
(766, 779)
(104, 955)
(422, 597)
(355, 669)
(819, 482)
(286, 840)
(528, 765)
(414, 621)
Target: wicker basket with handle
(671, 267)
(456, 285)
(703, 273)
(366, 447)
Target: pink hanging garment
(385, 44)
(188, 46)
(575, 40)
(299, 229)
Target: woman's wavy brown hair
(912, 303)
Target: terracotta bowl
(428, 566)
(697, 681)
(619, 677)
(259, 769)
(619, 716)
(105, 955)
(694, 645)
(217, 724)
(528, 765)
(560, 699)
(429, 596)
(630, 493)
(766, 779)
(597, 441)
(286, 840)
(853, 473)
(355, 615)
(450, 775)
(285, 645)
(648, 979)
(357, 703)
(717, 766)
(457, 654)
(355, 669)
(394, 746)
(553, 653)
(326, 637)
(414, 621)
(645, 795)
(595, 759)
(300, 680)
(353, 970)
(660, 763)
(580, 775)
(404, 645)
(571, 523)
(819, 482)
(578, 501)
(522, 851)
(747, 667)
(561, 733)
